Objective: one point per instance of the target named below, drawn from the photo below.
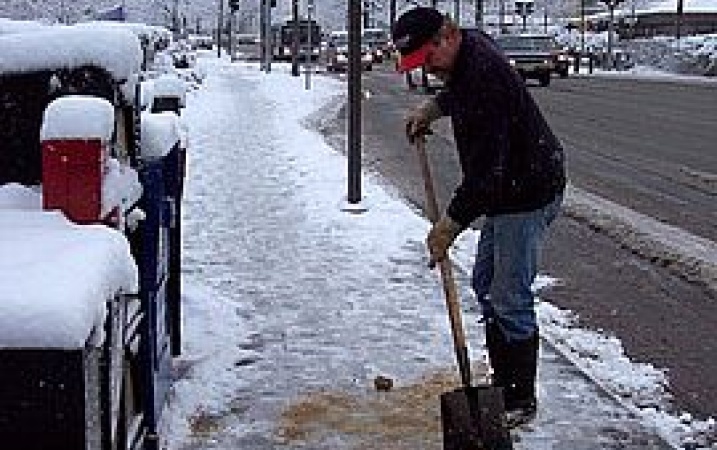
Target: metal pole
(610, 31)
(457, 11)
(268, 49)
(501, 18)
(678, 19)
(582, 27)
(545, 20)
(354, 86)
(220, 21)
(479, 14)
(309, 53)
(262, 34)
(230, 44)
(295, 38)
(392, 13)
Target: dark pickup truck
(532, 55)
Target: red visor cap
(416, 58)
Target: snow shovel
(472, 417)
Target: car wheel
(544, 79)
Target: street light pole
(295, 45)
(310, 52)
(611, 4)
(354, 102)
(479, 14)
(220, 22)
(582, 27)
(678, 19)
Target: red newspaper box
(72, 174)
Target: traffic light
(233, 5)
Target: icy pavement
(293, 306)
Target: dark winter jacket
(510, 159)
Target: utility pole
(310, 52)
(268, 42)
(582, 28)
(391, 13)
(295, 44)
(354, 116)
(611, 4)
(367, 13)
(220, 22)
(233, 8)
(175, 18)
(501, 17)
(678, 19)
(479, 14)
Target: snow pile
(17, 196)
(116, 50)
(78, 117)
(640, 388)
(55, 278)
(120, 187)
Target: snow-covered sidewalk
(293, 306)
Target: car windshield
(525, 43)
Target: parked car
(532, 55)
(378, 41)
(337, 53)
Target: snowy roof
(117, 51)
(55, 277)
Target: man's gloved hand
(441, 236)
(419, 120)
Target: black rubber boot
(497, 348)
(520, 400)
(514, 369)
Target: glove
(441, 236)
(419, 120)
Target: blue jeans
(505, 267)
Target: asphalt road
(649, 146)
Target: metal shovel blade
(473, 418)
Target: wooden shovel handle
(449, 284)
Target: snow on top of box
(160, 132)
(55, 278)
(78, 117)
(117, 50)
(170, 85)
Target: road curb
(689, 256)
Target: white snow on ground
(272, 157)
